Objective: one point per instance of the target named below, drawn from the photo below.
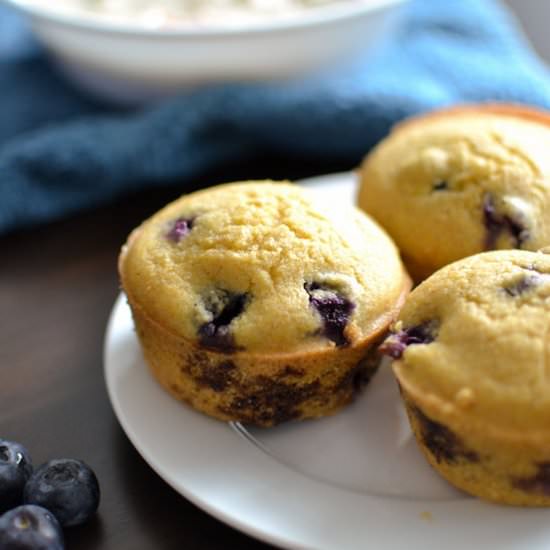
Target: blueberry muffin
(471, 354)
(457, 182)
(253, 304)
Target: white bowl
(127, 62)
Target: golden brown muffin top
(456, 182)
(259, 267)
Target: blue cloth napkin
(61, 151)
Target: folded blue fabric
(61, 151)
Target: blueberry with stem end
(15, 470)
(30, 527)
(334, 310)
(66, 487)
(443, 443)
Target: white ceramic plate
(355, 480)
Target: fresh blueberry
(180, 228)
(334, 309)
(497, 223)
(395, 344)
(66, 487)
(15, 470)
(216, 334)
(30, 527)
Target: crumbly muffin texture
(254, 303)
(471, 354)
(260, 268)
(457, 182)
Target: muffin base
(495, 470)
(263, 390)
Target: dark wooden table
(57, 285)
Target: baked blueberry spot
(216, 337)
(270, 402)
(440, 185)
(497, 223)
(443, 444)
(539, 483)
(334, 310)
(180, 228)
(395, 344)
(528, 281)
(216, 334)
(216, 377)
(522, 285)
(258, 400)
